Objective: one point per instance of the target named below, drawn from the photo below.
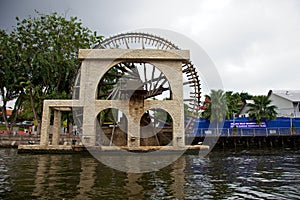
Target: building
(287, 102)
(244, 110)
(8, 113)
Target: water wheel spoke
(122, 68)
(163, 83)
(155, 92)
(154, 80)
(152, 77)
(145, 76)
(160, 77)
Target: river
(230, 174)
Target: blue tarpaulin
(244, 123)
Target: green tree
(262, 109)
(48, 51)
(245, 96)
(216, 107)
(233, 101)
(10, 74)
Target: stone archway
(169, 62)
(95, 62)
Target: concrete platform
(62, 149)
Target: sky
(254, 45)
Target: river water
(230, 174)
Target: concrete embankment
(259, 141)
(70, 144)
(10, 140)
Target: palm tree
(262, 109)
(216, 107)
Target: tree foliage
(245, 96)
(10, 73)
(46, 56)
(234, 104)
(262, 109)
(218, 105)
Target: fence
(229, 132)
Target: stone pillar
(56, 127)
(89, 127)
(133, 137)
(45, 129)
(88, 87)
(173, 71)
(178, 131)
(136, 110)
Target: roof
(291, 95)
(245, 107)
(8, 112)
(250, 101)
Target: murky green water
(253, 174)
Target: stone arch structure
(95, 63)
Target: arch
(156, 128)
(111, 127)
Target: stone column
(56, 127)
(136, 110)
(88, 88)
(45, 129)
(89, 127)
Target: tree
(262, 109)
(216, 107)
(48, 50)
(234, 102)
(245, 96)
(10, 74)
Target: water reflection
(39, 176)
(135, 190)
(220, 175)
(87, 178)
(137, 162)
(178, 176)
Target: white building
(244, 110)
(287, 102)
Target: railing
(229, 132)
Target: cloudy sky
(255, 45)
